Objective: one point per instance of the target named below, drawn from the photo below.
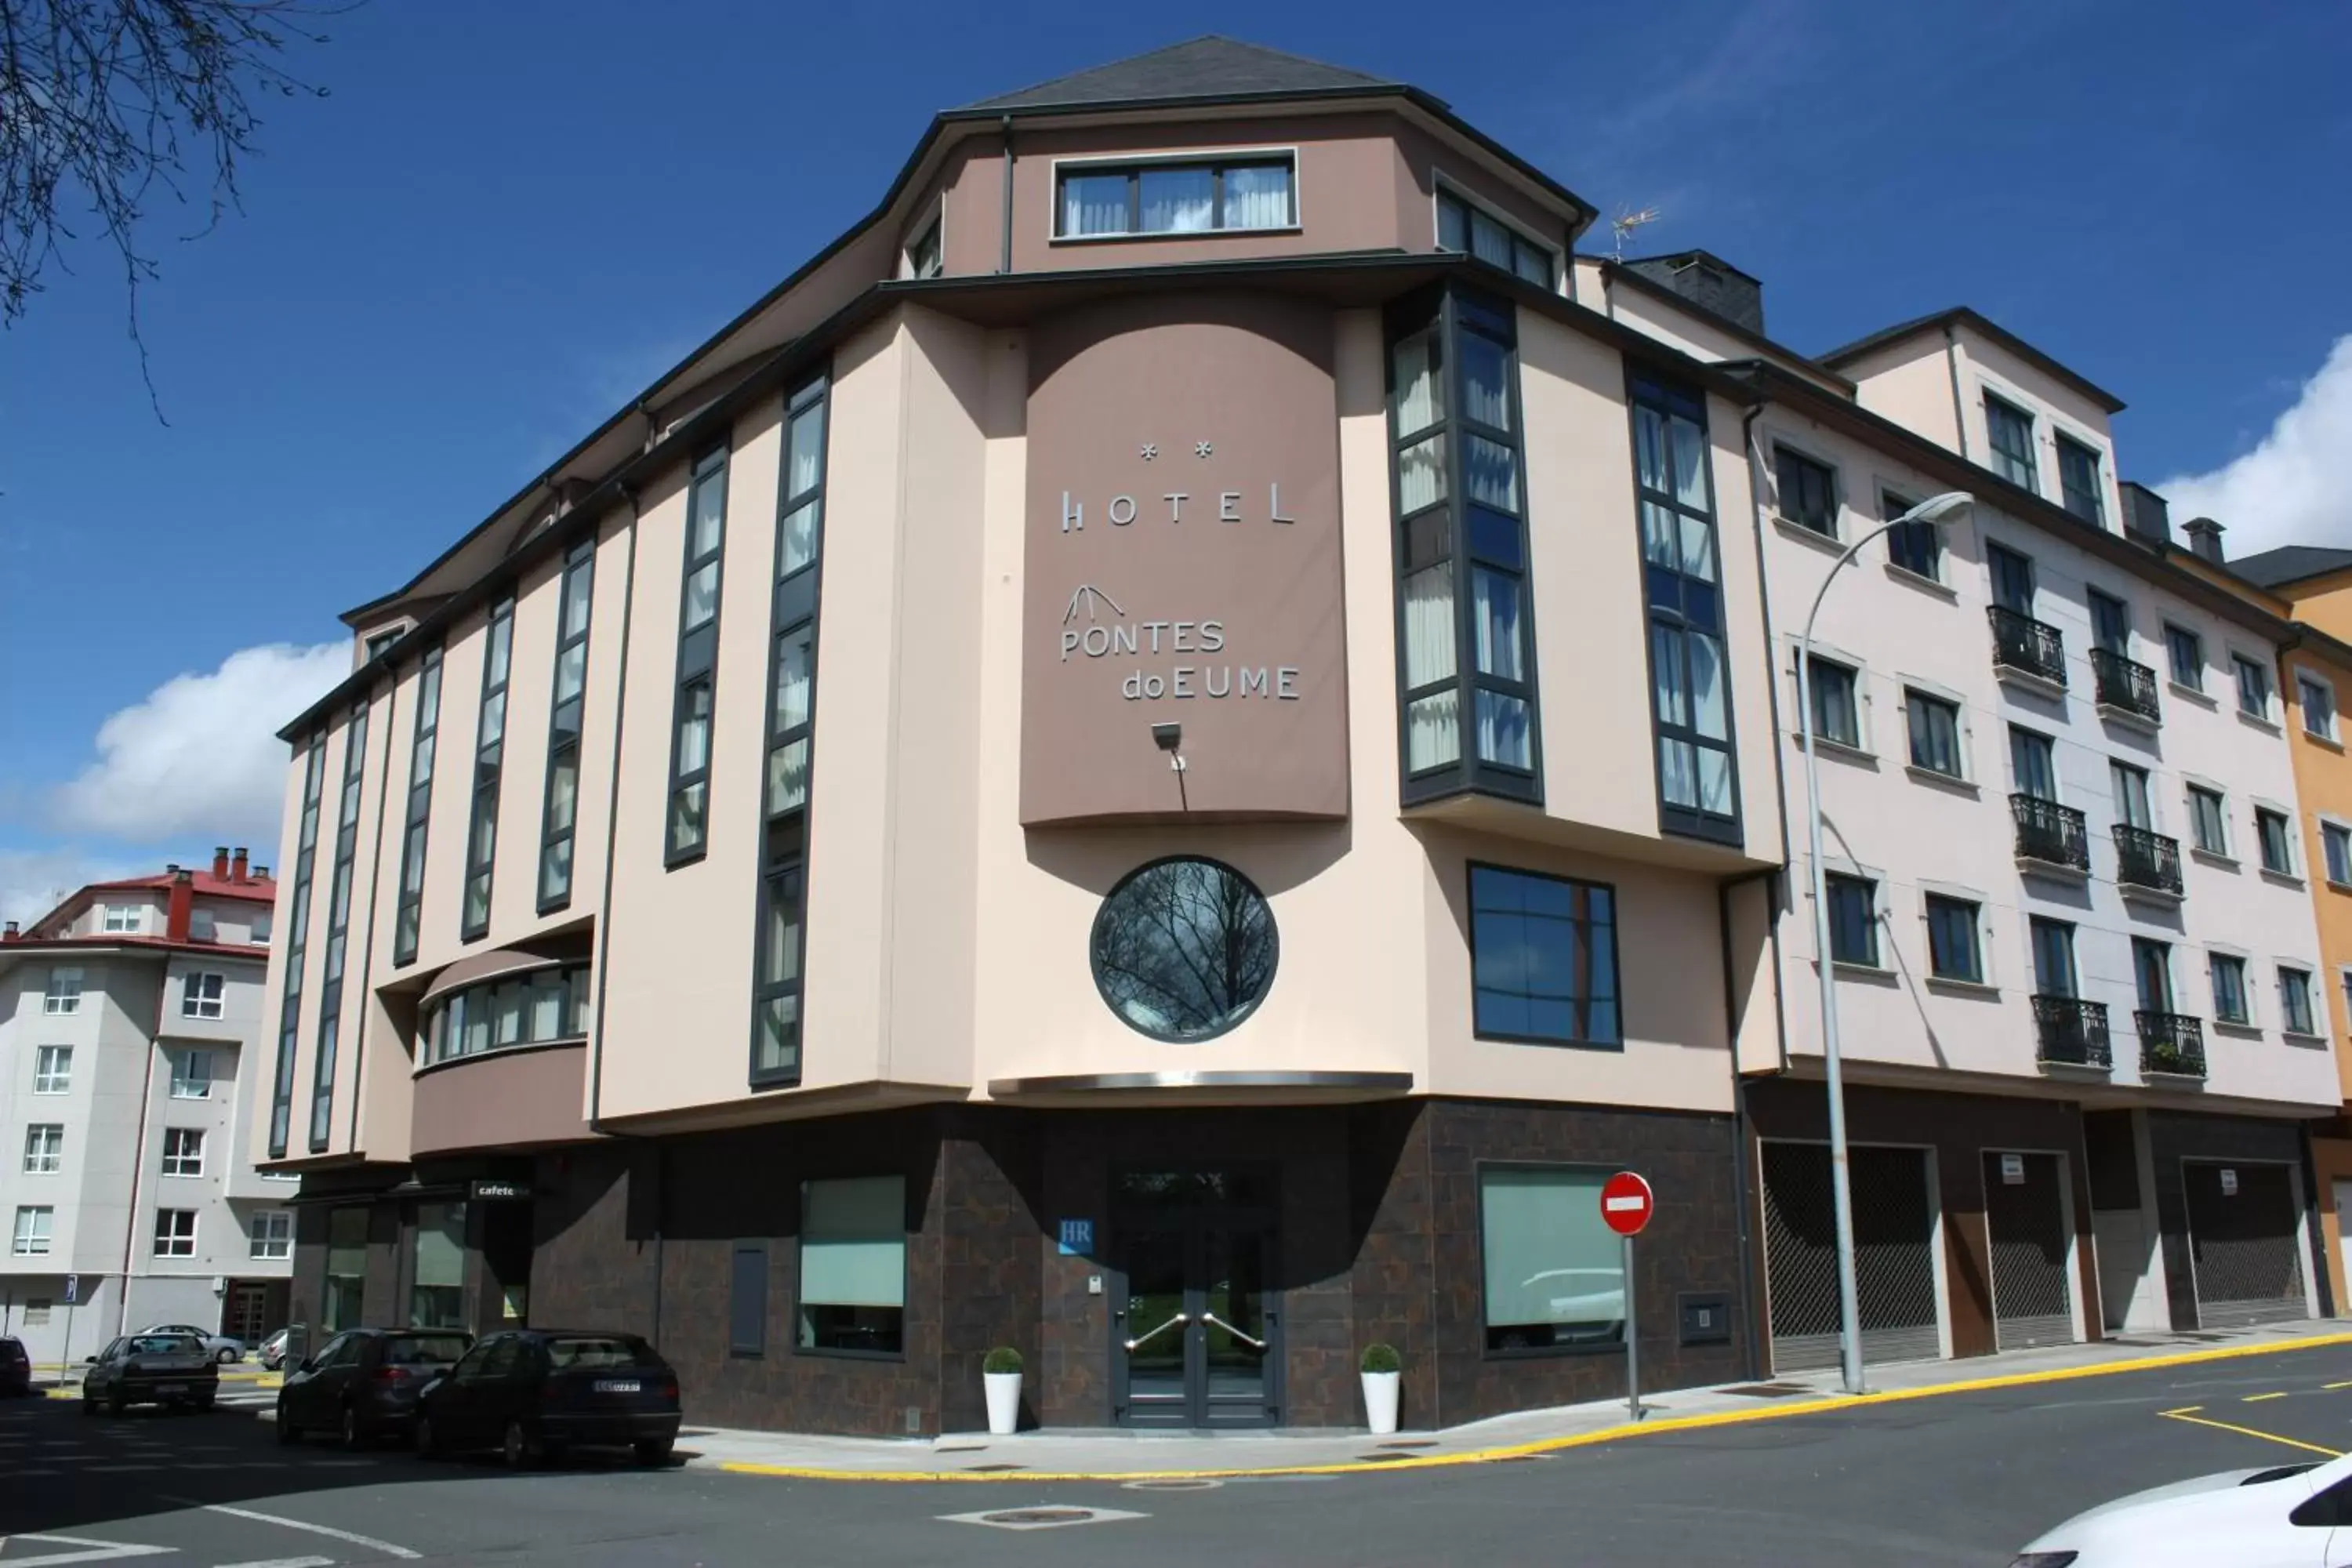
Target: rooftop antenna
(1625, 223)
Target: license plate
(619, 1386)
(171, 1388)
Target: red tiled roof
(253, 889)
(257, 952)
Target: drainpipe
(1748, 1315)
(1004, 231)
(612, 830)
(139, 1158)
(1952, 364)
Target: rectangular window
(53, 1069)
(260, 932)
(1808, 491)
(853, 1292)
(1837, 713)
(2132, 807)
(924, 257)
(2253, 687)
(1555, 1274)
(1193, 196)
(2152, 975)
(1689, 682)
(1916, 547)
(747, 1300)
(1953, 950)
(1854, 920)
(791, 716)
(203, 924)
(2078, 482)
(183, 1152)
(418, 817)
(2210, 820)
(1468, 689)
(175, 1233)
(686, 822)
(62, 997)
(436, 1290)
(2185, 650)
(2318, 707)
(2278, 851)
(45, 1147)
(2012, 578)
(32, 1234)
(1935, 726)
(2294, 1001)
(558, 812)
(2033, 763)
(298, 935)
(339, 921)
(124, 916)
(2011, 432)
(2338, 844)
(269, 1235)
(2110, 621)
(1474, 232)
(200, 996)
(489, 766)
(2229, 975)
(344, 1303)
(192, 1074)
(1543, 958)
(2054, 958)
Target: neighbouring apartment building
(1170, 752)
(130, 1063)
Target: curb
(1823, 1404)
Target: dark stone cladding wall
(2175, 1136)
(1961, 1128)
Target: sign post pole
(1633, 1340)
(1626, 1205)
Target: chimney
(1709, 282)
(236, 865)
(2147, 518)
(9, 932)
(184, 900)
(2204, 538)
(261, 873)
(220, 862)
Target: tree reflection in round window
(1184, 949)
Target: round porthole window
(1184, 949)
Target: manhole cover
(1040, 1518)
(1202, 1485)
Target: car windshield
(160, 1344)
(424, 1349)
(601, 1351)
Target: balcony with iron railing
(2170, 1045)
(2146, 862)
(2023, 645)
(2069, 1032)
(2126, 691)
(2051, 834)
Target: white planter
(1004, 1402)
(1381, 1400)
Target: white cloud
(200, 755)
(35, 881)
(2295, 485)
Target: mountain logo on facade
(1087, 597)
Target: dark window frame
(1916, 547)
(1525, 248)
(755, 1346)
(2061, 935)
(2208, 808)
(563, 739)
(1972, 914)
(415, 831)
(489, 768)
(2236, 1009)
(2240, 666)
(1835, 884)
(298, 932)
(1915, 701)
(1796, 469)
(1133, 170)
(2006, 461)
(2005, 568)
(1583, 888)
(343, 872)
(906, 1262)
(2270, 824)
(2179, 640)
(1811, 667)
(2088, 504)
(2333, 838)
(2110, 621)
(2305, 1020)
(698, 661)
(927, 252)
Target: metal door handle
(1179, 1318)
(1213, 1318)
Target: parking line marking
(285, 1563)
(2250, 1432)
(2258, 1398)
(2184, 1410)
(386, 1547)
(92, 1550)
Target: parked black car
(363, 1384)
(535, 1393)
(16, 1366)
(149, 1369)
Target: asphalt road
(1959, 1480)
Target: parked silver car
(273, 1350)
(223, 1348)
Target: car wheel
(118, 1403)
(88, 1403)
(286, 1433)
(229, 1357)
(421, 1437)
(201, 1405)
(653, 1450)
(354, 1435)
(517, 1447)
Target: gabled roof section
(1208, 67)
(2289, 563)
(1961, 315)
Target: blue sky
(505, 219)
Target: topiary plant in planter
(1381, 1358)
(1000, 1376)
(1383, 1371)
(1004, 1358)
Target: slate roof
(2289, 563)
(1203, 68)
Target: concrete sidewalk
(1178, 1456)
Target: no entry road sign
(1626, 1203)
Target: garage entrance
(1895, 1258)
(2245, 1250)
(2032, 1247)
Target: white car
(222, 1348)
(2287, 1516)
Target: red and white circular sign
(1626, 1203)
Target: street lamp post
(1938, 510)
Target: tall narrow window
(1689, 682)
(1916, 547)
(2294, 1001)
(298, 938)
(792, 712)
(1854, 920)
(560, 812)
(407, 925)
(489, 761)
(2011, 431)
(2078, 482)
(2054, 958)
(1467, 671)
(688, 820)
(2012, 578)
(339, 920)
(1935, 726)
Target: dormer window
(1192, 196)
(1474, 230)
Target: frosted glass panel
(1555, 1274)
(854, 1243)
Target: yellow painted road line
(1589, 1439)
(2250, 1432)
(2258, 1398)
(2333, 1386)
(2184, 1410)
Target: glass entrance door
(1196, 1333)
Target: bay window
(686, 822)
(339, 920)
